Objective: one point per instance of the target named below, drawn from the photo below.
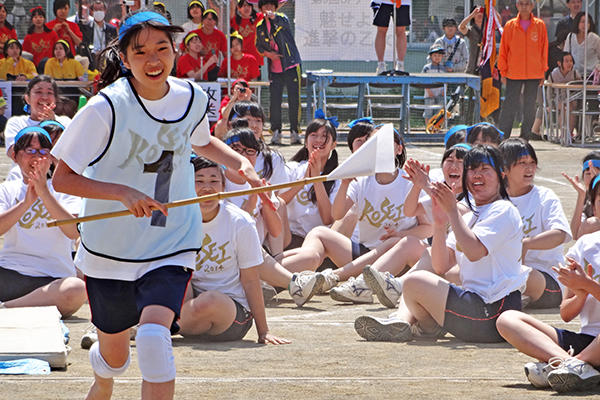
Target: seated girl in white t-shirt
(554, 346)
(486, 245)
(545, 226)
(36, 268)
(225, 293)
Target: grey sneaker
(383, 330)
(269, 292)
(330, 280)
(573, 375)
(419, 332)
(355, 290)
(89, 338)
(276, 138)
(304, 285)
(295, 138)
(385, 286)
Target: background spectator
(65, 30)
(382, 13)
(456, 53)
(63, 65)
(244, 22)
(97, 34)
(14, 67)
(567, 23)
(243, 65)
(6, 30)
(193, 64)
(576, 42)
(40, 39)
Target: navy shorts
(14, 285)
(358, 249)
(236, 331)
(382, 15)
(117, 305)
(578, 341)
(470, 319)
(552, 296)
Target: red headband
(36, 8)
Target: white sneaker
(89, 338)
(537, 374)
(380, 67)
(268, 291)
(383, 330)
(330, 280)
(355, 290)
(573, 375)
(304, 285)
(295, 138)
(418, 332)
(385, 286)
(399, 65)
(276, 138)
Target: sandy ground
(326, 359)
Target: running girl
(545, 226)
(486, 245)
(138, 155)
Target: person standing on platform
(382, 12)
(522, 62)
(455, 47)
(567, 23)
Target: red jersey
(40, 45)
(6, 34)
(62, 33)
(248, 32)
(246, 68)
(216, 41)
(187, 63)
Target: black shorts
(381, 16)
(578, 341)
(117, 305)
(14, 285)
(236, 331)
(552, 296)
(358, 249)
(470, 319)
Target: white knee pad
(155, 353)
(101, 367)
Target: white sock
(400, 65)
(2, 304)
(381, 64)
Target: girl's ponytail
(111, 65)
(330, 165)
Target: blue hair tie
(365, 120)
(470, 128)
(453, 130)
(319, 114)
(31, 129)
(27, 109)
(140, 17)
(524, 153)
(462, 145)
(596, 180)
(232, 139)
(52, 122)
(595, 163)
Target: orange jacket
(523, 55)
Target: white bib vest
(152, 156)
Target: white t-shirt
(18, 122)
(280, 171)
(230, 243)
(303, 214)
(436, 175)
(30, 247)
(498, 227)
(587, 251)
(380, 206)
(592, 43)
(78, 153)
(541, 211)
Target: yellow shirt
(70, 69)
(23, 66)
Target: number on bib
(163, 168)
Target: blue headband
(52, 122)
(140, 17)
(232, 139)
(453, 130)
(31, 129)
(596, 180)
(595, 163)
(462, 145)
(366, 120)
(396, 133)
(485, 124)
(524, 153)
(319, 114)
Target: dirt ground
(326, 359)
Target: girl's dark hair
(238, 17)
(483, 155)
(461, 152)
(588, 209)
(265, 2)
(332, 161)
(9, 43)
(201, 6)
(214, 15)
(25, 141)
(577, 19)
(513, 149)
(245, 136)
(203, 163)
(472, 22)
(457, 137)
(564, 54)
(34, 12)
(42, 78)
(68, 52)
(488, 132)
(592, 193)
(109, 57)
(244, 108)
(58, 4)
(359, 130)
(400, 158)
(6, 23)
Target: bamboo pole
(194, 200)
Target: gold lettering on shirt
(387, 213)
(212, 254)
(528, 224)
(303, 197)
(35, 216)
